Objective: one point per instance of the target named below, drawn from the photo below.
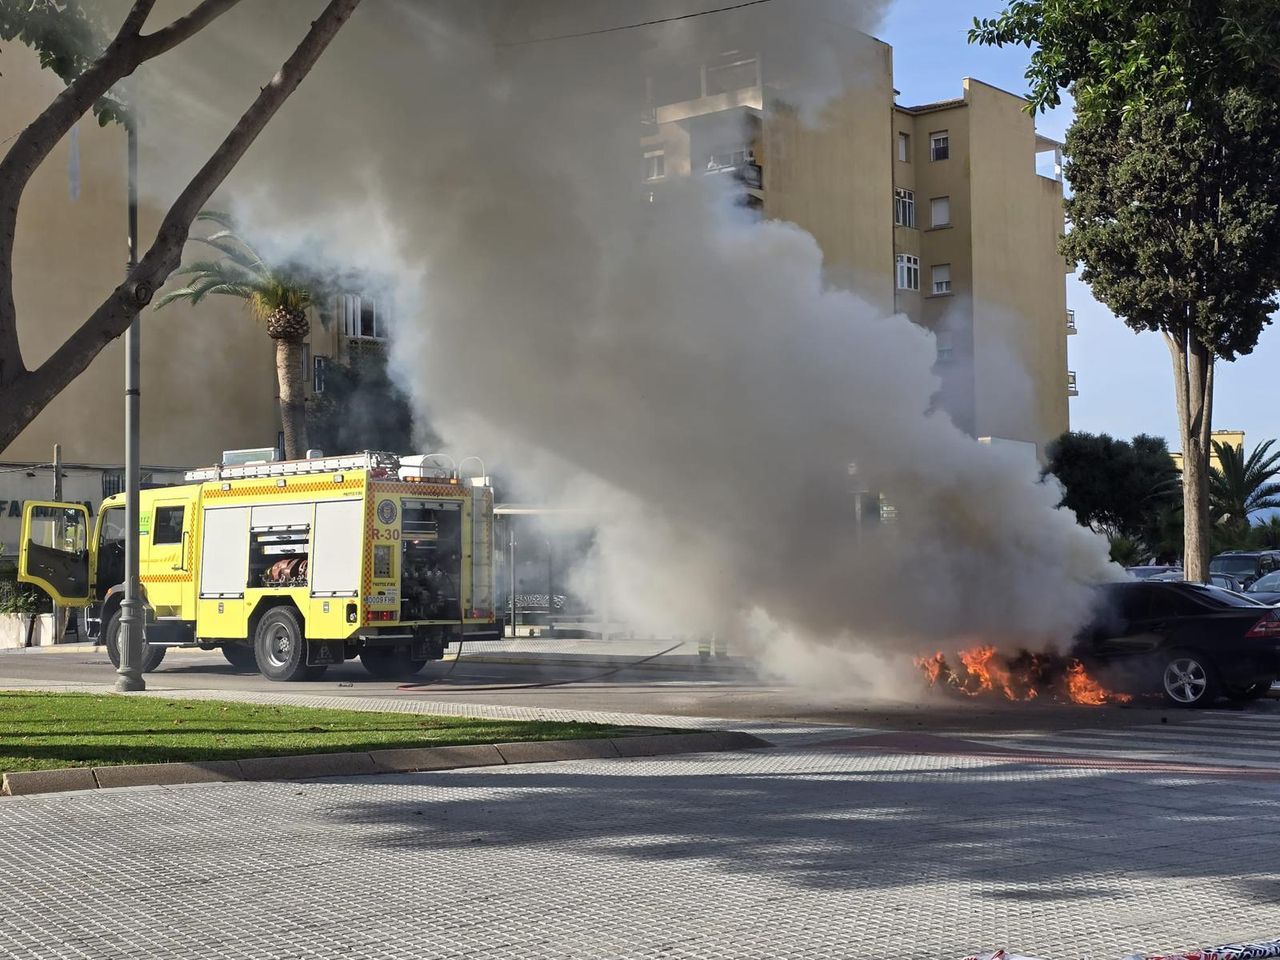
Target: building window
(940, 212)
(363, 318)
(904, 147)
(908, 272)
(946, 350)
(723, 160)
(655, 165)
(939, 145)
(904, 207)
(167, 526)
(941, 278)
(319, 367)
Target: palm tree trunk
(293, 401)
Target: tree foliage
(242, 272)
(67, 39)
(1243, 486)
(1178, 226)
(1175, 212)
(1114, 53)
(1117, 487)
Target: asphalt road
(695, 691)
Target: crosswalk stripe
(1145, 743)
(1173, 737)
(1068, 745)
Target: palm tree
(1241, 486)
(1266, 535)
(275, 296)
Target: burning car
(1190, 642)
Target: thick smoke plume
(678, 367)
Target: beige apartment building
(977, 200)
(949, 213)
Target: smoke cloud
(674, 365)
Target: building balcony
(1072, 389)
(1071, 323)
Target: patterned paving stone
(799, 852)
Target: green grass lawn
(39, 731)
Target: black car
(1223, 580)
(1265, 589)
(1246, 565)
(1193, 643)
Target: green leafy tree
(1163, 535)
(1243, 486)
(72, 40)
(1126, 552)
(1175, 206)
(276, 295)
(1117, 487)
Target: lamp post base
(130, 683)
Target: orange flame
(984, 670)
(934, 667)
(1082, 688)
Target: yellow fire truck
(289, 567)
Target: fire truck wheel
(280, 646)
(389, 663)
(240, 655)
(151, 656)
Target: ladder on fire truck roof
(378, 463)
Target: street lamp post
(132, 624)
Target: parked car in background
(1147, 572)
(1246, 565)
(1192, 642)
(1223, 580)
(1266, 589)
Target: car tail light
(1268, 626)
(376, 616)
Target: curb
(373, 762)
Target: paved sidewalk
(806, 852)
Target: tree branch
(182, 29)
(32, 391)
(120, 58)
(31, 147)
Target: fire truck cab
(289, 567)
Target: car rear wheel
(151, 656)
(1188, 680)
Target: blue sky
(1126, 383)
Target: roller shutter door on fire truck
(337, 548)
(224, 559)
